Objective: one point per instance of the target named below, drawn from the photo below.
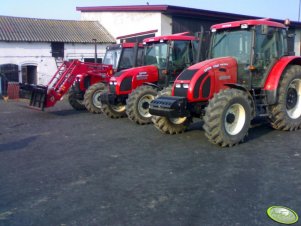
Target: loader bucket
(38, 97)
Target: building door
(10, 71)
(29, 74)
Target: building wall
(166, 25)
(39, 55)
(124, 23)
(80, 51)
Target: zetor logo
(142, 75)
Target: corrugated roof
(44, 30)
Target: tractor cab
(124, 55)
(170, 54)
(255, 44)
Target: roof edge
(123, 8)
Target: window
(57, 49)
(234, 43)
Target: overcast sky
(66, 9)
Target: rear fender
(272, 81)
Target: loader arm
(60, 83)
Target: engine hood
(200, 81)
(127, 80)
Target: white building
(31, 49)
(140, 21)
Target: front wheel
(91, 98)
(227, 117)
(114, 111)
(286, 113)
(137, 104)
(171, 125)
(75, 102)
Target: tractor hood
(199, 82)
(127, 80)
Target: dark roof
(43, 30)
(177, 11)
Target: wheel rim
(96, 99)
(235, 119)
(143, 105)
(118, 108)
(178, 121)
(293, 102)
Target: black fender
(153, 85)
(240, 87)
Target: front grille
(181, 92)
(126, 84)
(112, 88)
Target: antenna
(299, 10)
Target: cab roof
(247, 22)
(123, 45)
(179, 36)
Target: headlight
(178, 85)
(185, 86)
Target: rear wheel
(286, 113)
(227, 117)
(91, 98)
(75, 102)
(137, 107)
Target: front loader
(84, 81)
(131, 90)
(249, 73)
(68, 74)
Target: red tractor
(120, 56)
(249, 74)
(131, 90)
(85, 81)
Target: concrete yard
(63, 167)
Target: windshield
(112, 57)
(235, 43)
(156, 54)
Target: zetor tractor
(87, 88)
(85, 81)
(131, 90)
(249, 74)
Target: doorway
(29, 74)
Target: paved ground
(62, 167)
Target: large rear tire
(137, 104)
(91, 98)
(227, 117)
(286, 113)
(75, 102)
